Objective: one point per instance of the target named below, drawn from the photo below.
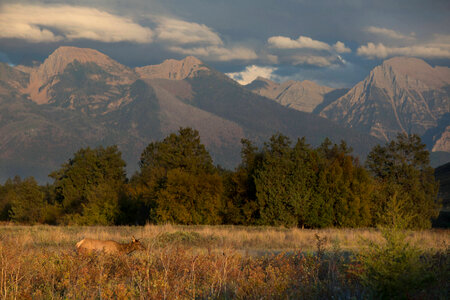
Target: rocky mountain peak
(61, 57)
(411, 71)
(41, 78)
(173, 69)
(402, 94)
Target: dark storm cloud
(232, 35)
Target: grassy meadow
(223, 262)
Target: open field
(187, 262)
(252, 240)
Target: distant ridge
(300, 95)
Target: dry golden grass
(193, 262)
(254, 240)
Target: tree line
(283, 183)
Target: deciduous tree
(178, 181)
(88, 186)
(27, 202)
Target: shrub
(394, 269)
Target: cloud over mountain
(218, 53)
(306, 51)
(379, 50)
(51, 23)
(190, 38)
(251, 73)
(332, 42)
(180, 32)
(340, 47)
(389, 33)
(282, 42)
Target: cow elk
(109, 247)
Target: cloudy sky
(333, 42)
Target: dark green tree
(241, 206)
(344, 188)
(190, 198)
(284, 182)
(178, 181)
(89, 185)
(402, 170)
(5, 197)
(27, 202)
(183, 150)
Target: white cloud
(251, 73)
(282, 42)
(180, 32)
(340, 47)
(306, 51)
(50, 23)
(189, 38)
(218, 53)
(379, 50)
(314, 60)
(389, 33)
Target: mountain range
(401, 95)
(80, 97)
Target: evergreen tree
(402, 170)
(345, 186)
(5, 197)
(284, 182)
(276, 202)
(241, 206)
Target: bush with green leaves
(394, 269)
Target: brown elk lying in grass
(109, 247)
